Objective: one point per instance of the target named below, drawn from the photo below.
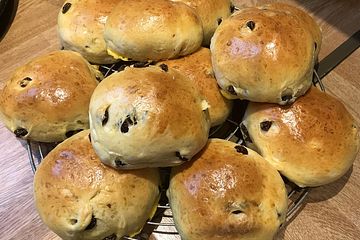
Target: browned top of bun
(197, 67)
(313, 141)
(227, 192)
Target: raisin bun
(81, 25)
(264, 55)
(197, 67)
(312, 142)
(211, 13)
(227, 192)
(47, 99)
(152, 30)
(78, 197)
(147, 117)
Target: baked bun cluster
(147, 117)
(78, 197)
(266, 53)
(197, 67)
(81, 25)
(47, 99)
(157, 110)
(312, 142)
(227, 192)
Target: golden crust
(211, 13)
(163, 30)
(155, 117)
(263, 55)
(197, 67)
(49, 96)
(72, 186)
(225, 194)
(81, 28)
(312, 142)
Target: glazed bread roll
(211, 13)
(147, 117)
(78, 197)
(312, 142)
(227, 192)
(152, 30)
(197, 67)
(81, 25)
(264, 55)
(47, 99)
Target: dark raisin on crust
(250, 25)
(25, 82)
(164, 67)
(72, 132)
(66, 7)
(232, 8)
(105, 117)
(126, 123)
(245, 133)
(241, 149)
(178, 155)
(286, 98)
(219, 20)
(119, 163)
(315, 45)
(111, 237)
(231, 90)
(265, 125)
(89, 137)
(92, 223)
(237, 212)
(20, 132)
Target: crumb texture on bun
(47, 99)
(312, 142)
(78, 197)
(152, 30)
(148, 117)
(227, 192)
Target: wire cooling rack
(162, 225)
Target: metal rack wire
(162, 223)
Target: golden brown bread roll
(211, 13)
(197, 67)
(227, 192)
(264, 55)
(81, 25)
(152, 30)
(78, 197)
(48, 98)
(312, 142)
(147, 117)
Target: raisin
(241, 149)
(66, 7)
(20, 132)
(105, 118)
(127, 122)
(251, 25)
(231, 90)
(219, 20)
(164, 67)
(265, 125)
